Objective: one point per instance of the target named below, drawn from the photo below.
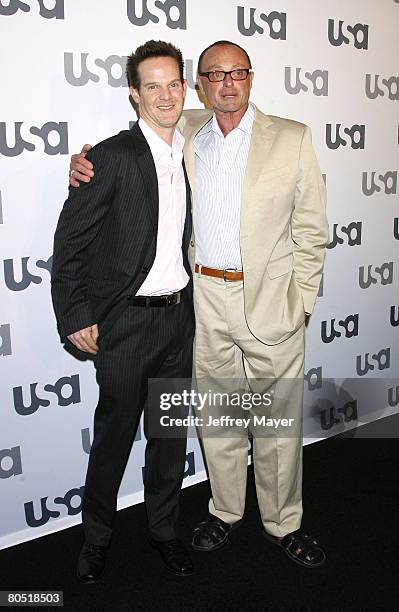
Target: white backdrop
(331, 65)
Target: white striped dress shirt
(167, 274)
(220, 164)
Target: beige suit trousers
(225, 348)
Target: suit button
(192, 243)
(145, 270)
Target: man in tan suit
(260, 232)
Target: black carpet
(350, 505)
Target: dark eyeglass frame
(225, 72)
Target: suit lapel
(147, 169)
(262, 137)
(188, 222)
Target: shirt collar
(245, 124)
(157, 145)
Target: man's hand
(80, 169)
(86, 339)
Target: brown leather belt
(227, 275)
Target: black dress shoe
(212, 534)
(175, 556)
(91, 562)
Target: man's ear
(135, 94)
(251, 76)
(199, 85)
(201, 93)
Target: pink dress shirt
(167, 274)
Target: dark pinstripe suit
(104, 247)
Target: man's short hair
(220, 43)
(152, 48)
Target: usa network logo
(352, 233)
(315, 81)
(83, 68)
(338, 414)
(64, 392)
(394, 316)
(349, 327)
(71, 503)
(378, 361)
(250, 22)
(314, 378)
(25, 276)
(21, 144)
(143, 12)
(356, 133)
(390, 87)
(393, 394)
(14, 6)
(388, 182)
(383, 275)
(339, 34)
(78, 74)
(5, 340)
(10, 462)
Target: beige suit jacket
(283, 229)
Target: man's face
(161, 94)
(225, 96)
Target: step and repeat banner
(333, 66)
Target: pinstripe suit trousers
(144, 342)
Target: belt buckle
(173, 298)
(227, 270)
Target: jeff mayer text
(225, 421)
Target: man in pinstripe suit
(122, 291)
(260, 233)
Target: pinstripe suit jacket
(105, 241)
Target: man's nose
(165, 93)
(227, 81)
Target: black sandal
(212, 534)
(300, 547)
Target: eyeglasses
(239, 74)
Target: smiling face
(226, 96)
(161, 94)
